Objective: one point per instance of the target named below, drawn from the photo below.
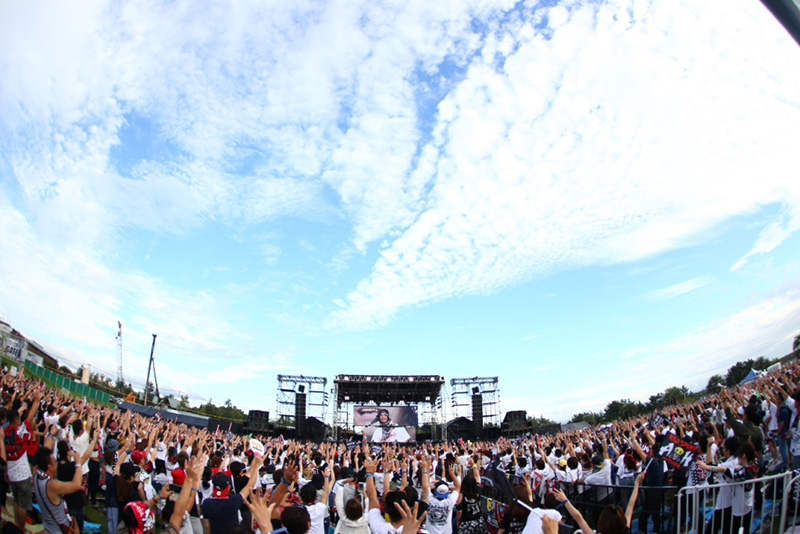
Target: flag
(495, 477)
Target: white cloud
(626, 134)
(611, 141)
(774, 233)
(678, 289)
(765, 328)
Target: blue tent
(752, 375)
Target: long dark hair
(470, 488)
(123, 487)
(612, 520)
(518, 511)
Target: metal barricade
(752, 506)
(655, 503)
(790, 509)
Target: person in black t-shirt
(66, 472)
(221, 510)
(516, 515)
(471, 519)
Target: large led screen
(387, 424)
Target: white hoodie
(348, 526)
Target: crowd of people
(61, 454)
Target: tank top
(53, 515)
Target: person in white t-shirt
(441, 502)
(440, 509)
(601, 476)
(723, 508)
(377, 523)
(316, 508)
(79, 442)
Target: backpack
(16, 446)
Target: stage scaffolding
(461, 391)
(316, 396)
(426, 391)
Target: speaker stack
(300, 413)
(477, 414)
(257, 422)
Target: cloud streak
(592, 146)
(678, 289)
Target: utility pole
(120, 378)
(151, 365)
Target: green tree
(796, 344)
(715, 384)
(622, 409)
(536, 422)
(150, 392)
(122, 387)
(592, 418)
(737, 372)
(184, 402)
(674, 395)
(656, 401)
(762, 362)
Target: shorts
(23, 494)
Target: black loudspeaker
(257, 421)
(477, 415)
(315, 430)
(300, 415)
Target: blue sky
(590, 200)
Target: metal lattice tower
(120, 378)
(461, 393)
(317, 396)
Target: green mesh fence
(67, 383)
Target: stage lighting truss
(461, 391)
(426, 391)
(314, 387)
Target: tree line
(626, 408)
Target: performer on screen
(385, 432)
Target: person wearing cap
(143, 475)
(179, 477)
(182, 510)
(221, 510)
(601, 473)
(441, 502)
(126, 486)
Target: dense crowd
(64, 453)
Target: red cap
(138, 456)
(178, 476)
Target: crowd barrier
(766, 505)
(655, 507)
(763, 505)
(67, 383)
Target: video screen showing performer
(387, 424)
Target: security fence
(764, 505)
(67, 383)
